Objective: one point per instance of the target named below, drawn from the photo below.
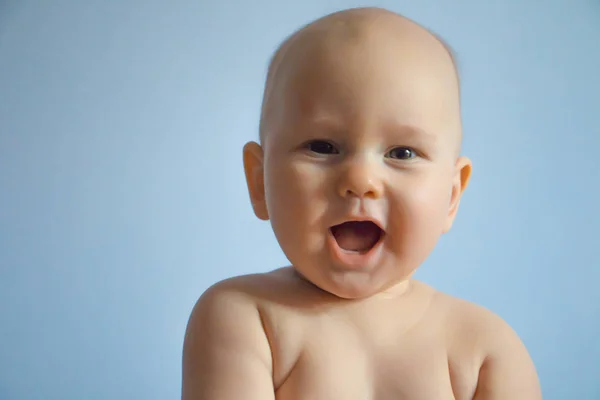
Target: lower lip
(355, 260)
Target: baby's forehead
(358, 29)
(374, 38)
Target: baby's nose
(360, 179)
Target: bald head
(340, 31)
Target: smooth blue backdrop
(122, 194)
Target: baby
(359, 172)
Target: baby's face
(363, 135)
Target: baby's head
(358, 165)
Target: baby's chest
(347, 364)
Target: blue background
(122, 195)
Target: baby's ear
(462, 174)
(253, 166)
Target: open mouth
(357, 236)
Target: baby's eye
(401, 153)
(321, 147)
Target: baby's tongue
(356, 236)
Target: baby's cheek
(309, 186)
(419, 208)
(298, 189)
(311, 176)
(298, 206)
(427, 193)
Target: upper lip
(362, 218)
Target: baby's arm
(226, 355)
(508, 371)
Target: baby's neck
(396, 290)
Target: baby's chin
(355, 285)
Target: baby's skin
(359, 171)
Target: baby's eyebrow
(326, 121)
(411, 131)
(408, 131)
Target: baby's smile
(356, 244)
(357, 237)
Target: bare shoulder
(506, 370)
(226, 354)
